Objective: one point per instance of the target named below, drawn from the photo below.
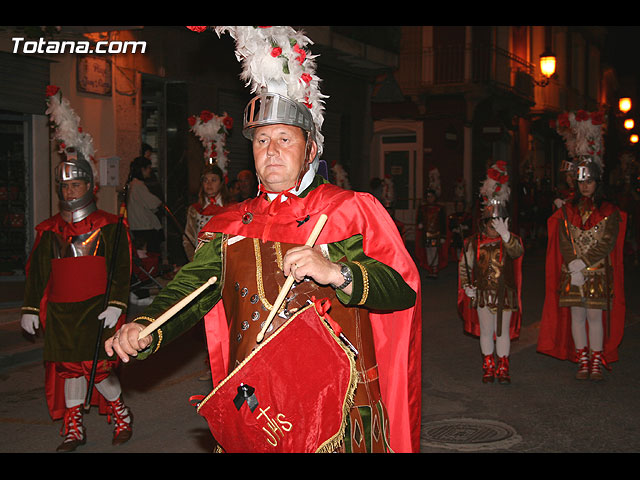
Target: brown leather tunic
(253, 277)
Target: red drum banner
(291, 395)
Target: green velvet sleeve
(121, 276)
(206, 263)
(375, 285)
(38, 276)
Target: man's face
(279, 154)
(73, 189)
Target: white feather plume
(495, 188)
(277, 59)
(212, 130)
(583, 134)
(67, 129)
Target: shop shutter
(23, 81)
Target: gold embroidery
(365, 280)
(31, 309)
(150, 319)
(119, 304)
(159, 340)
(259, 281)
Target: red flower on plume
(302, 54)
(597, 118)
(52, 90)
(205, 116)
(563, 120)
(307, 104)
(227, 122)
(493, 174)
(197, 29)
(79, 129)
(582, 115)
(276, 52)
(306, 78)
(502, 165)
(192, 120)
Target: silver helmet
(495, 208)
(273, 108)
(588, 168)
(76, 167)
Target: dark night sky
(622, 48)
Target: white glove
(558, 202)
(502, 227)
(470, 291)
(111, 316)
(577, 279)
(30, 322)
(576, 265)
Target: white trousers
(580, 318)
(75, 390)
(488, 326)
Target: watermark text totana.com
(20, 45)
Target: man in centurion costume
(584, 308)
(359, 264)
(489, 279)
(67, 275)
(432, 235)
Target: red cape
(470, 315)
(555, 327)
(397, 335)
(54, 384)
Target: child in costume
(489, 279)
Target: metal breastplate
(585, 240)
(83, 245)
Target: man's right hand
(125, 342)
(470, 291)
(30, 323)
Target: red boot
(72, 429)
(503, 371)
(123, 419)
(597, 361)
(583, 363)
(489, 369)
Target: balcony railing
(458, 65)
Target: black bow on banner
(246, 394)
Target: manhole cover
(468, 434)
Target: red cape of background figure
(555, 337)
(397, 335)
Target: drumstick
(157, 323)
(289, 282)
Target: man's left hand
(501, 226)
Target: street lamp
(629, 123)
(547, 67)
(624, 104)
